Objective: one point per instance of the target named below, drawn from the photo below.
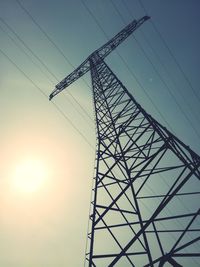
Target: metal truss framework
(145, 209)
(145, 202)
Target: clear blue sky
(48, 227)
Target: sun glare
(29, 176)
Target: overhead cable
(58, 49)
(172, 55)
(161, 78)
(46, 96)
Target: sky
(46, 225)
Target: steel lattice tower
(144, 210)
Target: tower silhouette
(144, 209)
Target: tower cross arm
(102, 52)
(108, 47)
(73, 76)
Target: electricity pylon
(145, 203)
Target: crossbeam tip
(147, 17)
(50, 97)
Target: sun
(29, 176)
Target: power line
(170, 76)
(38, 66)
(46, 96)
(73, 125)
(44, 32)
(160, 77)
(41, 61)
(28, 48)
(23, 50)
(27, 77)
(58, 49)
(172, 55)
(81, 107)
